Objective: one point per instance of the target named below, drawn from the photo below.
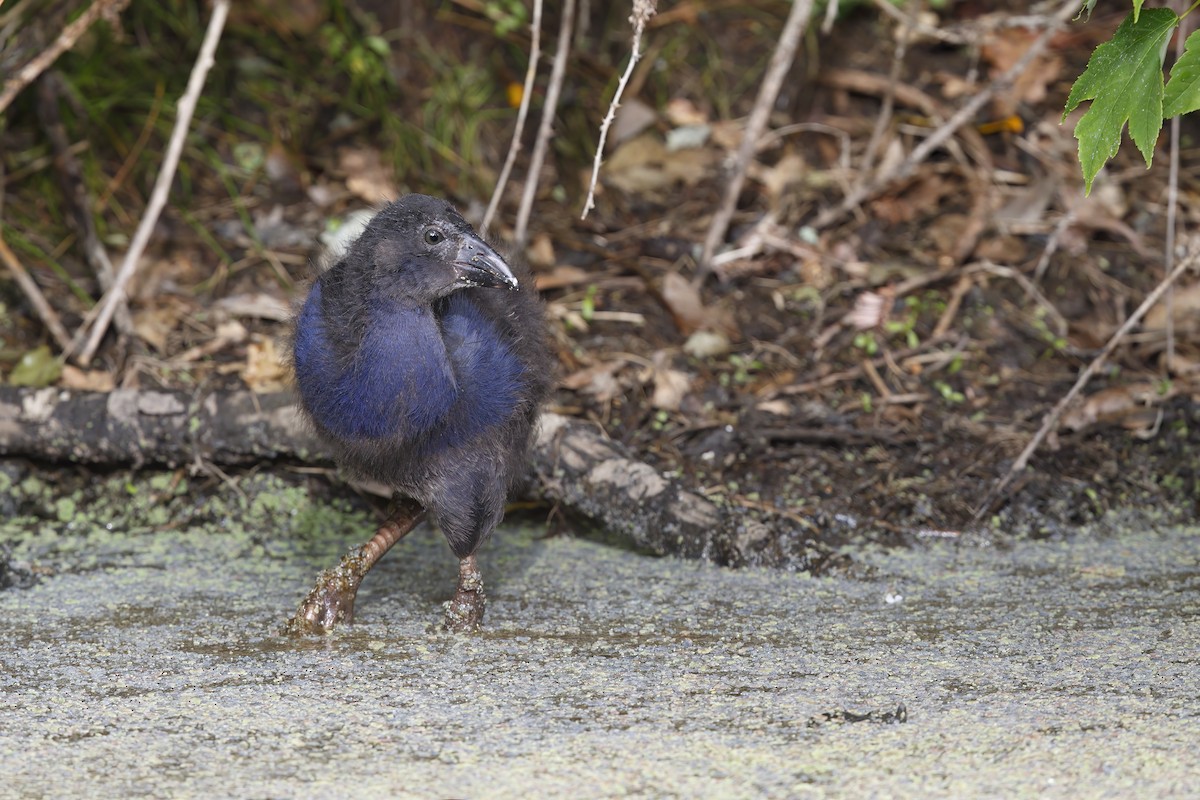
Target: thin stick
(643, 10)
(1173, 199)
(535, 53)
(884, 118)
(34, 295)
(781, 61)
(1068, 219)
(162, 185)
(553, 89)
(1051, 419)
(831, 12)
(967, 112)
(910, 20)
(109, 9)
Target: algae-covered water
(146, 661)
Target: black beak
(477, 264)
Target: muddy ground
(148, 662)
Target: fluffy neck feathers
(401, 370)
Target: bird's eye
(433, 236)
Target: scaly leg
(464, 612)
(331, 601)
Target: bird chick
(421, 360)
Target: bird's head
(419, 246)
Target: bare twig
(1173, 196)
(884, 118)
(864, 82)
(1051, 419)
(162, 185)
(960, 118)
(1068, 219)
(781, 61)
(643, 10)
(34, 295)
(831, 12)
(1029, 287)
(109, 9)
(553, 89)
(910, 21)
(535, 53)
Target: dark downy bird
(421, 359)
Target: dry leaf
(780, 408)
(893, 157)
(923, 196)
(227, 333)
(787, 171)
(1002, 50)
(264, 370)
(681, 111)
(154, 325)
(367, 176)
(541, 251)
(158, 276)
(670, 385)
(945, 231)
(1026, 205)
(955, 86)
(683, 301)
(1130, 406)
(870, 310)
(706, 344)
(633, 117)
(92, 380)
(258, 305)
(1185, 310)
(727, 134)
(599, 380)
(1180, 364)
(1104, 210)
(643, 165)
(561, 277)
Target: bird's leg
(331, 600)
(464, 611)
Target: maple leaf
(1124, 81)
(1183, 90)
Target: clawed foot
(331, 601)
(464, 611)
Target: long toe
(329, 604)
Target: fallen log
(573, 464)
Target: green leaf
(1137, 9)
(1124, 81)
(1183, 90)
(37, 368)
(379, 45)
